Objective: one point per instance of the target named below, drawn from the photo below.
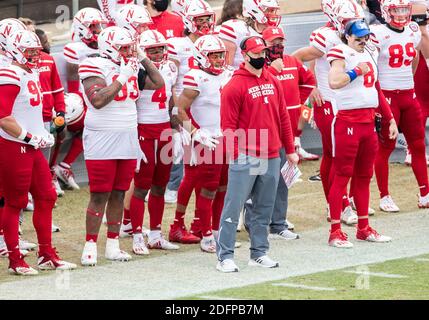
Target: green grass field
(412, 284)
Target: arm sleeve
(383, 105)
(9, 92)
(286, 134)
(57, 90)
(142, 78)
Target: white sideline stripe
(377, 274)
(217, 298)
(302, 286)
(422, 260)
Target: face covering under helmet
(160, 5)
(275, 52)
(257, 63)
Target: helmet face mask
(273, 18)
(217, 60)
(116, 44)
(157, 54)
(155, 46)
(24, 48)
(127, 51)
(204, 24)
(263, 12)
(88, 24)
(32, 55)
(400, 16)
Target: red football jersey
(169, 24)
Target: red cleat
(181, 235)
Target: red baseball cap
(272, 33)
(253, 44)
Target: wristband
(352, 74)
(175, 111)
(122, 79)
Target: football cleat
(348, 216)
(424, 202)
(264, 262)
(339, 239)
(113, 252)
(51, 261)
(89, 254)
(65, 174)
(139, 246)
(56, 184)
(315, 178)
(387, 204)
(55, 228)
(227, 265)
(126, 230)
(208, 244)
(30, 204)
(371, 211)
(21, 268)
(306, 156)
(181, 235)
(196, 228)
(369, 234)
(160, 243)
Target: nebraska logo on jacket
(262, 90)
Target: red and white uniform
(4, 61)
(110, 7)
(235, 31)
(52, 89)
(397, 52)
(169, 24)
(110, 134)
(181, 50)
(154, 130)
(298, 81)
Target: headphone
(243, 42)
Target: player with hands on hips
(23, 167)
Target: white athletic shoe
(339, 239)
(55, 228)
(139, 245)
(89, 254)
(159, 242)
(290, 225)
(424, 202)
(408, 159)
(369, 234)
(283, 235)
(113, 252)
(56, 184)
(126, 230)
(348, 216)
(304, 155)
(65, 174)
(30, 204)
(208, 244)
(227, 265)
(387, 204)
(371, 211)
(170, 196)
(264, 262)
(26, 245)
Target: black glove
(420, 19)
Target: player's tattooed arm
(99, 93)
(184, 103)
(154, 79)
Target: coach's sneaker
(89, 254)
(369, 234)
(371, 211)
(339, 239)
(139, 245)
(65, 174)
(157, 241)
(264, 262)
(170, 196)
(181, 235)
(304, 155)
(114, 253)
(227, 265)
(290, 225)
(208, 244)
(348, 216)
(283, 235)
(315, 178)
(21, 268)
(50, 260)
(26, 245)
(126, 230)
(387, 204)
(424, 202)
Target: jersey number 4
(160, 96)
(396, 53)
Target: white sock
(154, 234)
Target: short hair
(40, 33)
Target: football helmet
(396, 13)
(262, 11)
(345, 11)
(154, 39)
(115, 43)
(178, 7)
(24, 47)
(198, 9)
(328, 8)
(133, 18)
(87, 25)
(7, 27)
(204, 48)
(74, 108)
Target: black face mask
(257, 63)
(160, 5)
(275, 52)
